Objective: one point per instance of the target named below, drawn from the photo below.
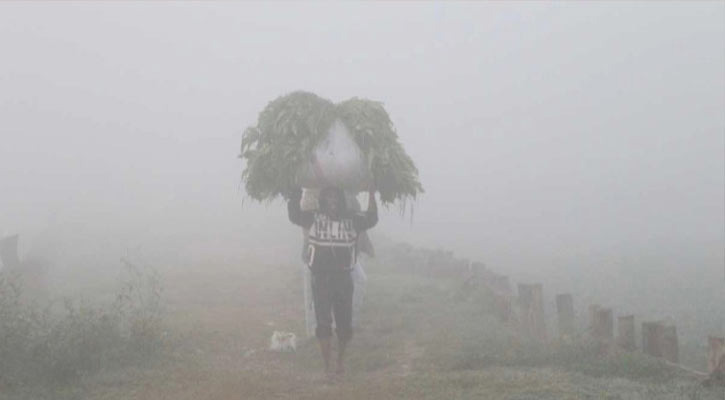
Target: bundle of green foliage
(290, 127)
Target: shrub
(42, 347)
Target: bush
(42, 347)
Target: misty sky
(544, 132)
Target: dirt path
(220, 321)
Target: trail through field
(416, 341)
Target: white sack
(336, 161)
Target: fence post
(603, 325)
(9, 252)
(531, 301)
(670, 348)
(502, 284)
(565, 313)
(476, 269)
(716, 354)
(593, 308)
(652, 334)
(539, 318)
(626, 339)
(501, 288)
(525, 305)
(716, 360)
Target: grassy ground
(421, 337)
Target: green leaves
(290, 127)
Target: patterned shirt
(331, 240)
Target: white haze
(550, 137)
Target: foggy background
(562, 142)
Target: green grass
(46, 349)
(421, 337)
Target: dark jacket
(331, 241)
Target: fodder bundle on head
(283, 145)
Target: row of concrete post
(659, 339)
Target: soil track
(220, 318)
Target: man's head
(332, 201)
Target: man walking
(333, 231)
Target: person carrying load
(333, 231)
(302, 140)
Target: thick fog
(549, 136)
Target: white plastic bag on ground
(336, 161)
(283, 341)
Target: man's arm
(295, 213)
(370, 218)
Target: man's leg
(342, 345)
(342, 308)
(323, 315)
